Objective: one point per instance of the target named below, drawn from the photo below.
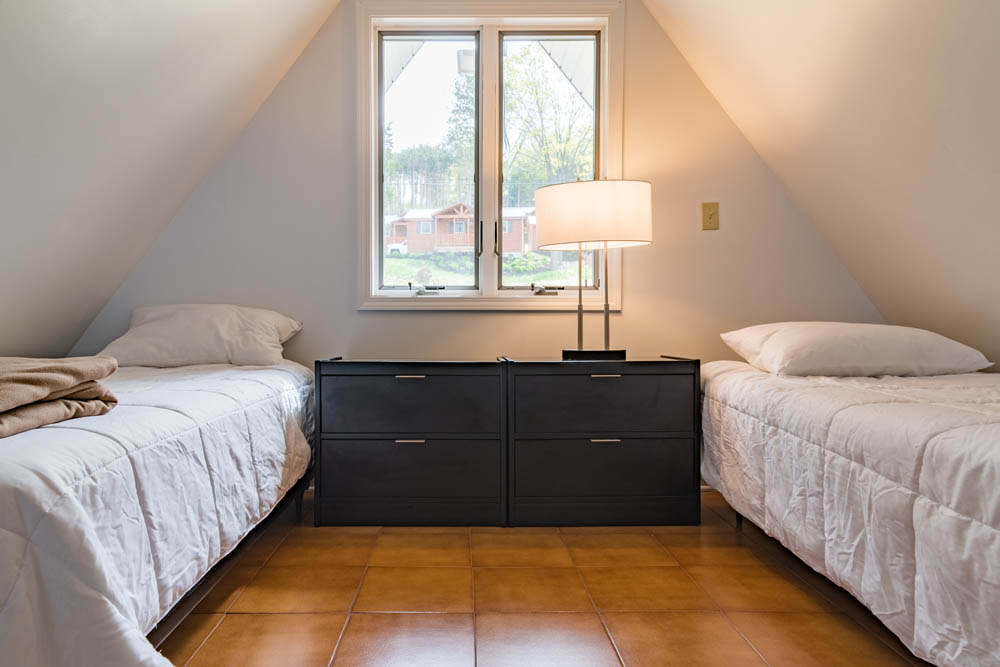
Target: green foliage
(391, 166)
(401, 270)
(461, 136)
(432, 176)
(436, 269)
(548, 138)
(528, 262)
(454, 262)
(421, 173)
(462, 262)
(548, 135)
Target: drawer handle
(410, 442)
(605, 375)
(612, 441)
(410, 377)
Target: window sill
(476, 301)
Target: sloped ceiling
(275, 224)
(881, 118)
(111, 112)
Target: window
(428, 125)
(549, 88)
(466, 118)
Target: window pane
(549, 121)
(428, 160)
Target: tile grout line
(350, 607)
(849, 616)
(243, 588)
(678, 564)
(758, 540)
(225, 612)
(735, 627)
(257, 570)
(472, 577)
(719, 609)
(761, 541)
(202, 643)
(600, 616)
(277, 546)
(725, 615)
(666, 550)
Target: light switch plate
(710, 215)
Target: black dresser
(410, 443)
(603, 442)
(510, 442)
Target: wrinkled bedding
(107, 521)
(888, 486)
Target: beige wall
(111, 113)
(273, 225)
(881, 119)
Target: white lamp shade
(592, 213)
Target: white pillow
(190, 334)
(846, 349)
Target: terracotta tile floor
(635, 596)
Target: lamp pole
(579, 293)
(607, 317)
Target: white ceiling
(880, 117)
(112, 112)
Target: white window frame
(429, 226)
(605, 16)
(457, 230)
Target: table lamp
(593, 215)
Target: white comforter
(889, 486)
(106, 522)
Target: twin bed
(889, 486)
(106, 522)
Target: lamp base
(593, 355)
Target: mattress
(888, 486)
(107, 521)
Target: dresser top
(341, 360)
(556, 360)
(516, 360)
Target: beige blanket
(35, 392)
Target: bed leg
(739, 522)
(299, 496)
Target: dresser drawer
(604, 403)
(410, 403)
(432, 468)
(604, 467)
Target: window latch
(496, 239)
(425, 290)
(542, 290)
(479, 238)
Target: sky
(418, 103)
